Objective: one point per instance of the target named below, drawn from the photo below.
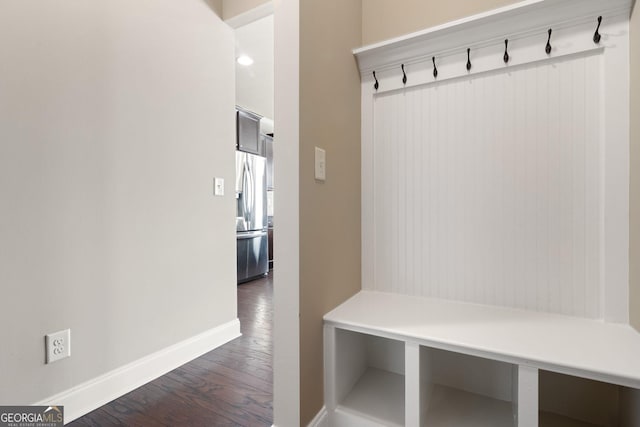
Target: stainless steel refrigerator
(251, 217)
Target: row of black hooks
(596, 39)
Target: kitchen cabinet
(248, 132)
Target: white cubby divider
(416, 389)
(525, 396)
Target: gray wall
(114, 118)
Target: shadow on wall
(216, 6)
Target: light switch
(321, 164)
(218, 186)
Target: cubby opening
(466, 391)
(370, 377)
(568, 401)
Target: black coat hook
(435, 69)
(404, 76)
(468, 59)
(376, 85)
(506, 53)
(596, 35)
(548, 48)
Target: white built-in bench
(400, 360)
(501, 182)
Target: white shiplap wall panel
(488, 188)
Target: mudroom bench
(495, 227)
(401, 360)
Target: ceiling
(254, 83)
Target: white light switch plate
(218, 186)
(321, 164)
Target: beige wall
(329, 211)
(233, 8)
(634, 252)
(383, 19)
(114, 118)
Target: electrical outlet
(58, 345)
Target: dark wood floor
(229, 386)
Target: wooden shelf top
(592, 349)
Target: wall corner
(634, 179)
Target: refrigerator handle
(245, 193)
(248, 194)
(251, 187)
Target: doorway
(255, 111)
(286, 323)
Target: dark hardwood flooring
(229, 386)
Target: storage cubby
(568, 401)
(369, 379)
(462, 390)
(498, 368)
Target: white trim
(616, 113)
(526, 395)
(447, 26)
(251, 15)
(321, 419)
(90, 395)
(286, 296)
(520, 18)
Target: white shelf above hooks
(520, 19)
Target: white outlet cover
(58, 345)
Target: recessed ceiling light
(244, 60)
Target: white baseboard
(88, 396)
(321, 419)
